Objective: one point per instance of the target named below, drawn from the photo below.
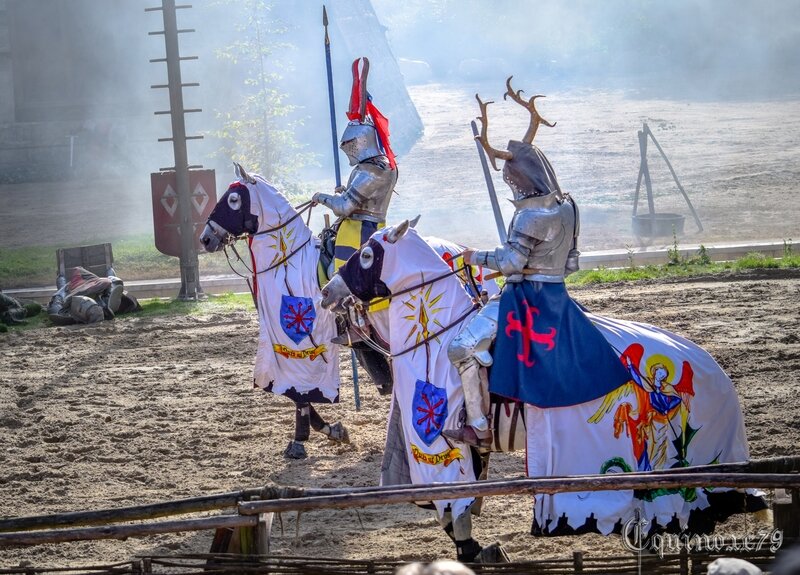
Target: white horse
(295, 356)
(679, 408)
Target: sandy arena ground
(149, 409)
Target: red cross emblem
(529, 336)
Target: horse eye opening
(234, 201)
(366, 258)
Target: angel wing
(610, 400)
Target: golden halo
(657, 358)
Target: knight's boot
(337, 432)
(115, 294)
(295, 450)
(57, 309)
(476, 430)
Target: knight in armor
(88, 298)
(360, 206)
(549, 354)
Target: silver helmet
(360, 142)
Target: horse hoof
(338, 433)
(295, 450)
(493, 553)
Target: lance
(331, 104)
(335, 139)
(498, 216)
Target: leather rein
(231, 242)
(361, 307)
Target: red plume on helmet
(361, 109)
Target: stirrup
(469, 436)
(338, 433)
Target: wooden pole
(615, 482)
(646, 171)
(675, 177)
(638, 179)
(230, 499)
(152, 511)
(577, 560)
(125, 531)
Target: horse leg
(468, 550)
(459, 530)
(302, 425)
(336, 432)
(376, 366)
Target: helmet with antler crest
(526, 170)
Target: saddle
(327, 245)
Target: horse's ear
(242, 174)
(415, 221)
(398, 231)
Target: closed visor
(360, 142)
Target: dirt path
(149, 409)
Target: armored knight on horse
(571, 355)
(361, 205)
(566, 369)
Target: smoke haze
(717, 81)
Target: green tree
(259, 130)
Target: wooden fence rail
(298, 499)
(231, 499)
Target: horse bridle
(230, 241)
(362, 307)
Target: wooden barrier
(298, 499)
(229, 500)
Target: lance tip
(324, 16)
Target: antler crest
(483, 138)
(529, 105)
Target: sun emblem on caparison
(423, 309)
(283, 244)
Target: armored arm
(368, 191)
(508, 259)
(541, 242)
(528, 229)
(341, 205)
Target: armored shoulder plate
(538, 218)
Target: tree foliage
(259, 129)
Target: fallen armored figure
(14, 311)
(88, 298)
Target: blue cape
(547, 352)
